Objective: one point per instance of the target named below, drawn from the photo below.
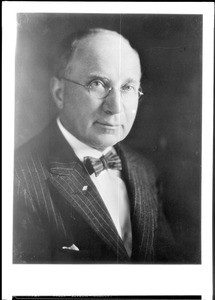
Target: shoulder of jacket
(137, 158)
(29, 155)
(143, 166)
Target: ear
(57, 91)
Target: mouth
(108, 125)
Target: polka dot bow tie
(107, 161)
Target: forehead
(108, 54)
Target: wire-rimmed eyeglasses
(100, 89)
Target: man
(81, 196)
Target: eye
(128, 88)
(98, 88)
(96, 84)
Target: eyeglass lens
(100, 90)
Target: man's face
(99, 123)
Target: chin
(104, 142)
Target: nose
(112, 103)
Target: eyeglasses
(100, 89)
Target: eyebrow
(97, 76)
(132, 80)
(104, 78)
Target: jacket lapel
(143, 205)
(71, 179)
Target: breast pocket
(70, 255)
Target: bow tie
(107, 161)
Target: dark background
(167, 129)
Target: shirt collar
(81, 149)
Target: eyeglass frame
(110, 88)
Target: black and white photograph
(108, 138)
(111, 149)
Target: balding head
(77, 40)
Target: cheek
(130, 113)
(80, 105)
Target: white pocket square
(73, 247)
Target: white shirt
(109, 185)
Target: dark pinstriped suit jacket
(53, 212)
